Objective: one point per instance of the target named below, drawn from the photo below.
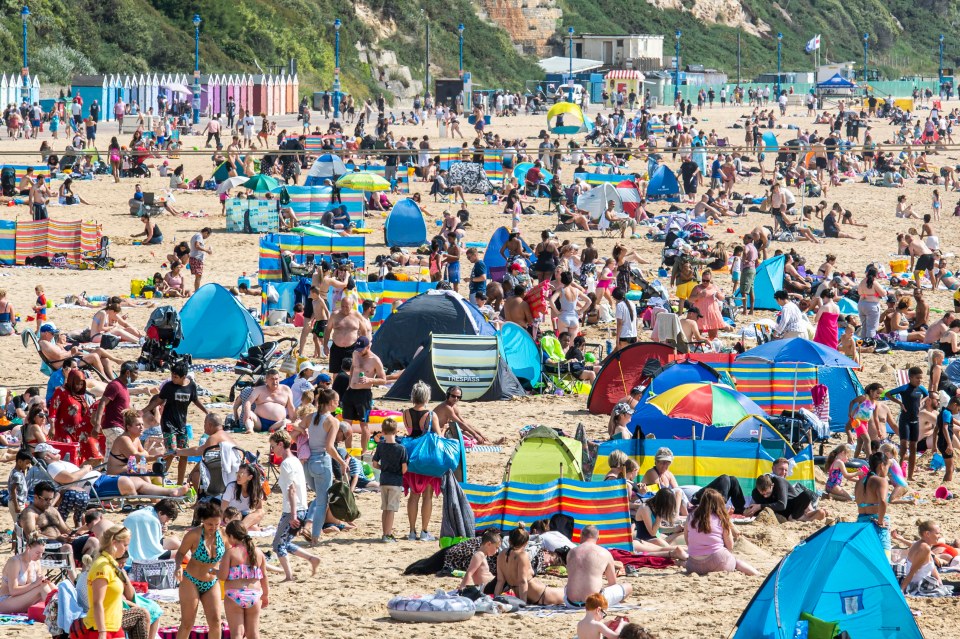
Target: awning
(560, 64)
(625, 74)
(177, 87)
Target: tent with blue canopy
(216, 325)
(580, 124)
(496, 263)
(325, 167)
(521, 354)
(770, 144)
(768, 280)
(663, 186)
(405, 225)
(520, 172)
(841, 577)
(837, 81)
(676, 373)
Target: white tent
(595, 200)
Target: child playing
(592, 626)
(298, 315)
(17, 483)
(41, 307)
(861, 412)
(736, 263)
(848, 341)
(391, 458)
(899, 482)
(478, 572)
(836, 468)
(936, 205)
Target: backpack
(284, 198)
(341, 502)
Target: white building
(620, 50)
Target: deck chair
(558, 374)
(57, 559)
(564, 219)
(28, 338)
(212, 481)
(782, 231)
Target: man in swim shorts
(587, 565)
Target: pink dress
(826, 333)
(711, 319)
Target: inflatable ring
(853, 465)
(435, 608)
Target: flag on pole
(813, 44)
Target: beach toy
(943, 493)
(354, 452)
(476, 245)
(148, 295)
(136, 287)
(589, 358)
(436, 608)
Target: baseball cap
(362, 342)
(49, 327)
(44, 448)
(622, 408)
(323, 377)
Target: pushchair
(8, 181)
(253, 366)
(164, 333)
(98, 258)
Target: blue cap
(49, 328)
(323, 377)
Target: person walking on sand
(198, 252)
(293, 490)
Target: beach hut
(840, 581)
(153, 88)
(295, 88)
(271, 95)
(247, 85)
(624, 80)
(291, 96)
(90, 88)
(258, 103)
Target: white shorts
(613, 594)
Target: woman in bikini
(22, 583)
(871, 496)
(35, 427)
(661, 476)
(198, 581)
(515, 572)
(107, 321)
(243, 571)
(572, 302)
(607, 281)
(128, 445)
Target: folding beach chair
(57, 559)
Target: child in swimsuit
(243, 571)
(896, 476)
(861, 413)
(836, 467)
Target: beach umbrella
(363, 181)
(328, 165)
(677, 373)
(261, 183)
(706, 403)
(231, 182)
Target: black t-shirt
(688, 170)
(830, 228)
(574, 353)
(177, 400)
(180, 251)
(391, 458)
(340, 384)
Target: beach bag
(341, 502)
(431, 455)
(109, 342)
(158, 574)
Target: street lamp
(196, 68)
(25, 90)
(866, 47)
(460, 29)
(336, 69)
(676, 69)
(940, 68)
(570, 77)
(779, 44)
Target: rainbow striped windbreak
(385, 293)
(47, 237)
(594, 179)
(603, 504)
(492, 161)
(300, 245)
(8, 242)
(311, 202)
(699, 462)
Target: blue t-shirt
(715, 170)
(55, 382)
(479, 269)
(910, 396)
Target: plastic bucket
(136, 287)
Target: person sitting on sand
(921, 578)
(108, 321)
(173, 283)
(651, 515)
(151, 232)
(587, 566)
(660, 475)
(478, 573)
(514, 571)
(789, 500)
(23, 583)
(710, 537)
(592, 626)
(836, 468)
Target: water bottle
(142, 464)
(609, 346)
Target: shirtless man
(761, 239)
(55, 353)
(344, 326)
(587, 565)
(704, 209)
(921, 314)
(513, 248)
(319, 316)
(367, 310)
(26, 183)
(691, 332)
(216, 435)
(269, 407)
(41, 518)
(39, 196)
(447, 412)
(95, 525)
(517, 310)
(939, 328)
(323, 279)
(365, 373)
(921, 257)
(233, 151)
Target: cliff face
(730, 13)
(529, 23)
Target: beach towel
(458, 522)
(638, 560)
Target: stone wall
(530, 23)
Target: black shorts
(942, 444)
(924, 263)
(337, 355)
(628, 340)
(797, 506)
(357, 404)
(821, 163)
(319, 328)
(909, 430)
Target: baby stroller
(251, 368)
(98, 258)
(164, 333)
(8, 181)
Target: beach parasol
(706, 403)
(261, 183)
(363, 181)
(230, 183)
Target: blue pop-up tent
(770, 144)
(521, 354)
(496, 264)
(769, 280)
(216, 325)
(405, 225)
(663, 185)
(839, 575)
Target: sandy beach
(358, 574)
